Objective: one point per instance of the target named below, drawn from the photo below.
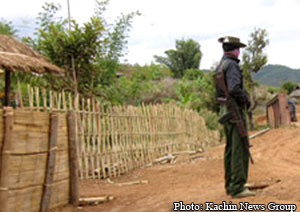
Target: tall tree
(187, 55)
(253, 60)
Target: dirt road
(200, 179)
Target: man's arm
(234, 83)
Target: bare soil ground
(200, 178)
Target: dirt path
(277, 159)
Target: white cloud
(164, 21)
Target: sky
(164, 21)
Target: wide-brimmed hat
(234, 41)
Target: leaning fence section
(114, 140)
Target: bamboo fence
(114, 140)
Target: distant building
(295, 95)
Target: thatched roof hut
(20, 62)
(295, 96)
(16, 56)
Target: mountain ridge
(275, 75)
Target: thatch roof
(295, 93)
(16, 56)
(19, 62)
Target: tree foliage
(95, 47)
(288, 87)
(137, 84)
(6, 28)
(187, 55)
(253, 59)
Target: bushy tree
(92, 49)
(187, 55)
(253, 59)
(193, 74)
(6, 28)
(272, 89)
(138, 84)
(196, 94)
(288, 86)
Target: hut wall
(24, 162)
(278, 112)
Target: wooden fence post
(50, 167)
(4, 159)
(73, 162)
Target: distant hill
(275, 75)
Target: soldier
(236, 156)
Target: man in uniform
(236, 157)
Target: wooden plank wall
(25, 159)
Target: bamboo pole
(7, 87)
(20, 94)
(118, 148)
(157, 129)
(113, 144)
(108, 141)
(89, 144)
(59, 101)
(64, 101)
(50, 100)
(93, 137)
(84, 142)
(96, 137)
(124, 140)
(175, 128)
(5, 157)
(44, 94)
(32, 97)
(99, 150)
(259, 133)
(121, 141)
(105, 157)
(37, 98)
(94, 200)
(140, 137)
(70, 102)
(151, 125)
(55, 100)
(146, 142)
(133, 143)
(127, 139)
(163, 122)
(80, 143)
(73, 160)
(149, 130)
(51, 159)
(29, 97)
(134, 138)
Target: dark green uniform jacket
(233, 79)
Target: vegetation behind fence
(113, 140)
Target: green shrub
(288, 86)
(273, 90)
(211, 119)
(193, 74)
